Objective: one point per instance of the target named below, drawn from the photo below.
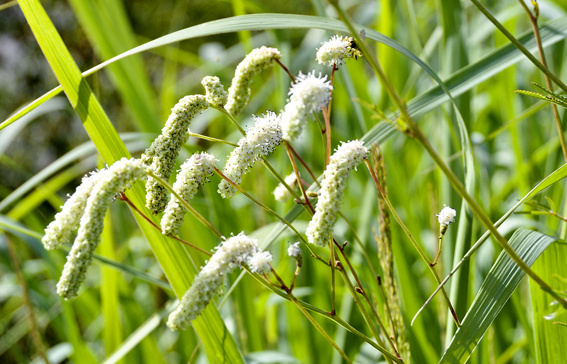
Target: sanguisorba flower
(215, 93)
(260, 140)
(281, 193)
(309, 93)
(346, 158)
(334, 51)
(239, 91)
(230, 253)
(67, 220)
(194, 173)
(260, 262)
(164, 150)
(446, 216)
(117, 178)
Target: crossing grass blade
(173, 257)
(500, 283)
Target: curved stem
(212, 139)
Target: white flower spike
(260, 262)
(260, 140)
(67, 220)
(308, 94)
(334, 51)
(230, 253)
(446, 216)
(216, 95)
(345, 159)
(239, 91)
(164, 150)
(194, 173)
(117, 178)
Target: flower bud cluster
(59, 231)
(446, 216)
(260, 262)
(194, 173)
(230, 253)
(239, 91)
(164, 150)
(116, 178)
(281, 193)
(260, 140)
(346, 158)
(294, 251)
(334, 51)
(308, 94)
(215, 93)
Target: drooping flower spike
(164, 150)
(239, 92)
(307, 95)
(230, 253)
(194, 173)
(260, 140)
(116, 178)
(215, 93)
(59, 231)
(345, 159)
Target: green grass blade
(109, 30)
(173, 257)
(550, 338)
(500, 283)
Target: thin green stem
(519, 45)
(328, 144)
(186, 204)
(298, 176)
(232, 119)
(200, 136)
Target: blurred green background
(44, 155)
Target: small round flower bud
(307, 95)
(239, 91)
(260, 262)
(117, 177)
(294, 251)
(67, 220)
(334, 51)
(260, 140)
(281, 193)
(345, 159)
(216, 95)
(446, 216)
(164, 150)
(229, 254)
(194, 173)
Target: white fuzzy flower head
(194, 173)
(239, 91)
(260, 262)
(446, 216)
(117, 178)
(216, 95)
(260, 140)
(281, 193)
(294, 250)
(67, 220)
(345, 159)
(308, 94)
(229, 254)
(164, 150)
(334, 51)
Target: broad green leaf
(173, 257)
(550, 338)
(500, 283)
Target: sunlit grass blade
(498, 286)
(173, 257)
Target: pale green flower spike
(194, 173)
(164, 150)
(346, 158)
(260, 140)
(116, 178)
(239, 91)
(67, 220)
(308, 94)
(216, 95)
(230, 253)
